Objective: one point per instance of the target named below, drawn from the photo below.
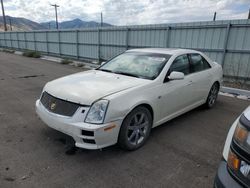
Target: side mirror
(176, 75)
(103, 62)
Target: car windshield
(141, 65)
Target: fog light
(244, 168)
(233, 161)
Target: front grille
(58, 106)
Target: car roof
(169, 51)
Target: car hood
(89, 86)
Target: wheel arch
(149, 107)
(217, 82)
(146, 105)
(121, 131)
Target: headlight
(238, 155)
(242, 137)
(97, 112)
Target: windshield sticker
(161, 59)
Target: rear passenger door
(200, 73)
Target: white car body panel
(86, 87)
(167, 100)
(231, 133)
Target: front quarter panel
(124, 102)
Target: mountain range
(23, 24)
(73, 24)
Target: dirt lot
(182, 153)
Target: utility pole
(56, 6)
(214, 16)
(4, 19)
(101, 20)
(248, 14)
(10, 24)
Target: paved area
(184, 152)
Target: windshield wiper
(127, 74)
(122, 73)
(105, 70)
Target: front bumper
(88, 136)
(223, 179)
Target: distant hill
(20, 24)
(23, 24)
(73, 24)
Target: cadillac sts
(122, 100)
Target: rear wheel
(135, 129)
(212, 96)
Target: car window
(198, 63)
(180, 64)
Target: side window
(205, 63)
(198, 63)
(180, 64)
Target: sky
(129, 12)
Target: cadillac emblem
(53, 106)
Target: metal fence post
(34, 37)
(47, 42)
(127, 38)
(10, 41)
(99, 45)
(17, 37)
(5, 41)
(59, 42)
(167, 36)
(225, 44)
(77, 44)
(25, 40)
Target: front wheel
(212, 96)
(135, 129)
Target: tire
(212, 96)
(135, 129)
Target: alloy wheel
(213, 95)
(137, 129)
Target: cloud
(129, 12)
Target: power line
(56, 6)
(4, 19)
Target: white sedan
(124, 98)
